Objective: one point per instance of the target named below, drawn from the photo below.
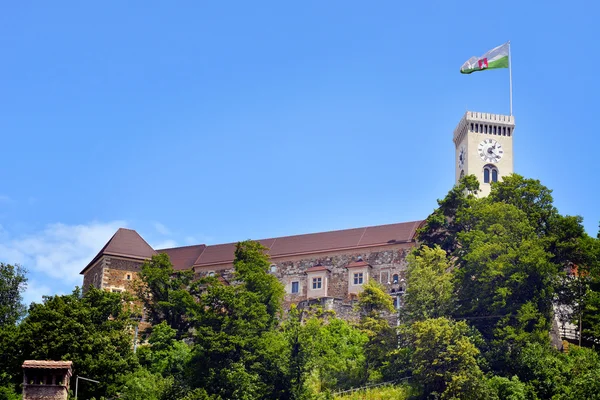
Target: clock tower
(484, 147)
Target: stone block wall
(45, 392)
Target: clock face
(490, 150)
(462, 155)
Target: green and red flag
(495, 58)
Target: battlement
(486, 123)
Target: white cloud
(160, 228)
(165, 244)
(5, 199)
(58, 253)
(36, 291)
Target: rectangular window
(295, 287)
(317, 283)
(128, 277)
(384, 278)
(358, 278)
(116, 290)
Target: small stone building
(326, 267)
(46, 380)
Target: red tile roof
(128, 243)
(318, 242)
(47, 364)
(317, 268)
(356, 264)
(183, 257)
(125, 243)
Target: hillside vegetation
(475, 321)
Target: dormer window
(358, 278)
(317, 283)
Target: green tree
(168, 295)
(430, 290)
(93, 331)
(144, 385)
(443, 225)
(251, 266)
(444, 360)
(377, 309)
(238, 353)
(12, 284)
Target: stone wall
(93, 276)
(45, 392)
(119, 273)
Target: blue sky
(210, 123)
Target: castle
(325, 267)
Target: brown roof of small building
(124, 243)
(183, 257)
(318, 242)
(47, 364)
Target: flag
(495, 58)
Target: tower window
(494, 175)
(494, 130)
(481, 128)
(471, 126)
(486, 130)
(462, 174)
(490, 170)
(504, 131)
(477, 128)
(508, 131)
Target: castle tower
(484, 147)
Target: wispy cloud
(165, 244)
(57, 253)
(5, 199)
(160, 228)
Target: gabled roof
(321, 242)
(125, 243)
(359, 263)
(317, 268)
(183, 257)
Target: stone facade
(386, 264)
(112, 273)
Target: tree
(12, 284)
(93, 331)
(442, 226)
(252, 268)
(502, 265)
(375, 305)
(430, 290)
(238, 353)
(444, 359)
(168, 295)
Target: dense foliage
(476, 320)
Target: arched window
(477, 128)
(490, 174)
(494, 175)
(495, 130)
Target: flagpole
(510, 76)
